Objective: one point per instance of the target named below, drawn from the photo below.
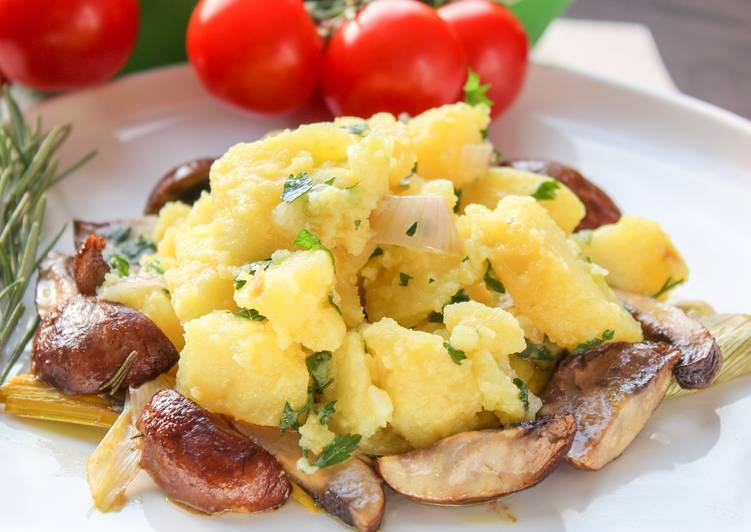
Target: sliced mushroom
(183, 183)
(350, 491)
(89, 266)
(701, 357)
(480, 465)
(55, 283)
(204, 465)
(612, 391)
(87, 345)
(600, 208)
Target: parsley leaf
(475, 92)
(295, 186)
(338, 451)
(329, 181)
(668, 286)
(319, 372)
(546, 190)
(259, 265)
(523, 392)
(431, 280)
(435, 317)
(328, 410)
(459, 297)
(307, 240)
(120, 264)
(607, 334)
(290, 418)
(357, 224)
(239, 283)
(492, 282)
(249, 314)
(536, 352)
(457, 355)
(412, 230)
(377, 252)
(134, 249)
(155, 267)
(404, 279)
(331, 300)
(458, 194)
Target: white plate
(666, 157)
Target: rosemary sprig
(28, 168)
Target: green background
(161, 39)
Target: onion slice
(417, 222)
(115, 461)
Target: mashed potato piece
(233, 365)
(542, 272)
(296, 293)
(432, 396)
(637, 253)
(499, 182)
(315, 435)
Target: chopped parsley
(497, 155)
(119, 234)
(546, 190)
(538, 354)
(668, 286)
(307, 240)
(404, 279)
(412, 230)
(359, 128)
(607, 334)
(295, 186)
(458, 194)
(120, 264)
(155, 267)
(338, 451)
(134, 249)
(484, 133)
(249, 314)
(331, 300)
(166, 291)
(290, 418)
(475, 92)
(239, 283)
(329, 181)
(457, 355)
(435, 317)
(318, 369)
(327, 410)
(459, 297)
(259, 265)
(492, 282)
(357, 224)
(377, 252)
(523, 392)
(431, 280)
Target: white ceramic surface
(666, 157)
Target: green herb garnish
(668, 286)
(120, 264)
(290, 417)
(249, 314)
(357, 224)
(459, 297)
(134, 249)
(607, 334)
(331, 300)
(239, 283)
(307, 240)
(475, 92)
(377, 252)
(492, 282)
(330, 181)
(457, 355)
(295, 186)
(338, 451)
(412, 230)
(546, 190)
(318, 369)
(327, 410)
(523, 392)
(435, 317)
(458, 194)
(536, 353)
(404, 279)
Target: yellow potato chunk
(232, 365)
(499, 182)
(198, 288)
(314, 435)
(432, 396)
(488, 336)
(448, 143)
(541, 270)
(638, 254)
(361, 407)
(295, 293)
(148, 294)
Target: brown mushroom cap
(600, 208)
(89, 266)
(199, 463)
(612, 391)
(350, 491)
(701, 358)
(183, 183)
(81, 344)
(480, 465)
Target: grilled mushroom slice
(183, 183)
(87, 345)
(200, 463)
(350, 491)
(480, 465)
(55, 283)
(612, 391)
(600, 208)
(701, 357)
(89, 266)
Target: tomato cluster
(388, 55)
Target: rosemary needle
(28, 168)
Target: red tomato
(63, 44)
(261, 55)
(396, 56)
(495, 44)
